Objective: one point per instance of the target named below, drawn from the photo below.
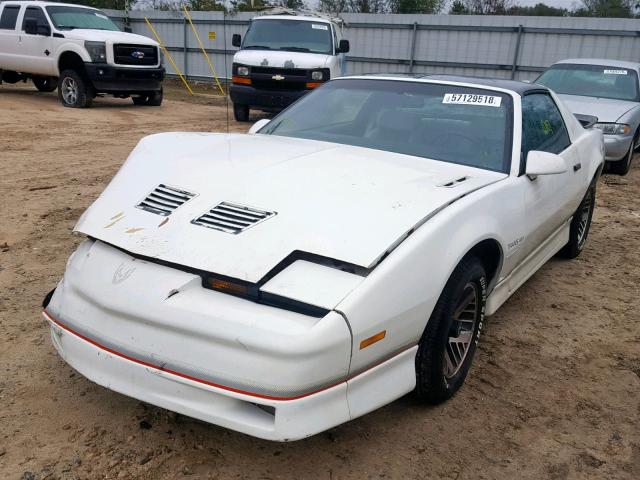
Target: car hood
(607, 110)
(347, 203)
(281, 59)
(107, 36)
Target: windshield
(454, 124)
(592, 81)
(68, 18)
(289, 35)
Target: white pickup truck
(79, 51)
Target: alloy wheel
(70, 90)
(462, 329)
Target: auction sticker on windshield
(315, 26)
(472, 99)
(615, 72)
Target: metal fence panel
(480, 45)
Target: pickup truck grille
(125, 54)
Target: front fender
(70, 46)
(400, 294)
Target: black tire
(74, 91)
(436, 379)
(622, 167)
(151, 99)
(580, 225)
(45, 84)
(241, 112)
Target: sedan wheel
(448, 344)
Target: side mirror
(31, 26)
(343, 46)
(128, 29)
(236, 40)
(587, 121)
(44, 30)
(544, 163)
(258, 125)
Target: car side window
(36, 14)
(543, 128)
(9, 17)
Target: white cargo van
(282, 57)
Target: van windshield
(289, 35)
(68, 18)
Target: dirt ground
(554, 392)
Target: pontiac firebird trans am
(335, 258)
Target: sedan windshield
(450, 123)
(289, 35)
(592, 81)
(68, 18)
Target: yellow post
(204, 51)
(168, 55)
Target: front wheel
(74, 91)
(448, 344)
(45, 84)
(241, 112)
(622, 167)
(580, 225)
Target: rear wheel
(151, 99)
(241, 112)
(74, 91)
(45, 84)
(580, 225)
(448, 344)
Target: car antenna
(226, 70)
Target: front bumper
(269, 100)
(616, 147)
(109, 79)
(260, 370)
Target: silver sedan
(608, 90)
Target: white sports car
(339, 256)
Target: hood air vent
(454, 183)
(232, 218)
(164, 200)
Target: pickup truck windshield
(289, 35)
(592, 81)
(68, 18)
(467, 126)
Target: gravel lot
(554, 392)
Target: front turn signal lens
(241, 80)
(313, 84)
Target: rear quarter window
(9, 17)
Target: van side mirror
(127, 29)
(31, 26)
(236, 40)
(258, 125)
(544, 163)
(343, 46)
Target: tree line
(583, 8)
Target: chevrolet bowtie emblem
(277, 77)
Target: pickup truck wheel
(152, 99)
(73, 90)
(241, 112)
(45, 84)
(448, 344)
(580, 224)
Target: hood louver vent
(164, 200)
(232, 218)
(454, 183)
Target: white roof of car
(304, 18)
(43, 4)
(601, 61)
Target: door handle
(577, 167)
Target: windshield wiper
(257, 47)
(295, 49)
